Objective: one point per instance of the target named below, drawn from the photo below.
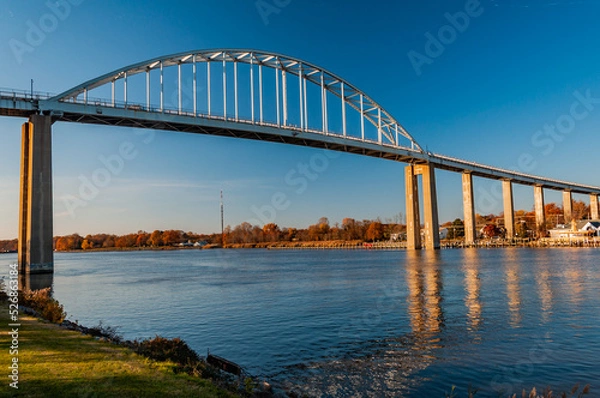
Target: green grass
(54, 362)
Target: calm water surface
(358, 323)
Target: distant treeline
(349, 230)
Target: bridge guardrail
(24, 95)
(136, 106)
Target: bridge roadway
(23, 104)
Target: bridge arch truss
(246, 87)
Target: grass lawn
(54, 362)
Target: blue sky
(486, 97)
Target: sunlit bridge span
(253, 95)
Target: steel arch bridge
(253, 95)
(244, 87)
(249, 94)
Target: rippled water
(358, 323)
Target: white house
(593, 225)
(579, 229)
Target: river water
(358, 323)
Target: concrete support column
(430, 211)
(568, 206)
(509, 209)
(540, 216)
(413, 221)
(594, 207)
(468, 207)
(35, 209)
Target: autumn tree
(60, 244)
(156, 238)
(171, 237)
(302, 235)
(226, 235)
(142, 239)
(319, 230)
(351, 230)
(581, 211)
(374, 231)
(491, 230)
(109, 242)
(126, 241)
(271, 232)
(69, 242)
(554, 215)
(324, 227)
(242, 233)
(291, 234)
(9, 245)
(336, 233)
(245, 230)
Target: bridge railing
(473, 166)
(141, 107)
(9, 93)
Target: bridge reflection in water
(471, 265)
(513, 289)
(435, 325)
(544, 286)
(424, 283)
(392, 361)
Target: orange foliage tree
(374, 231)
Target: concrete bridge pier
(594, 210)
(468, 208)
(35, 208)
(568, 206)
(430, 211)
(413, 219)
(509, 209)
(540, 216)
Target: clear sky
(486, 95)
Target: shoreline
(56, 361)
(169, 366)
(355, 245)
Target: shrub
(42, 302)
(163, 349)
(107, 332)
